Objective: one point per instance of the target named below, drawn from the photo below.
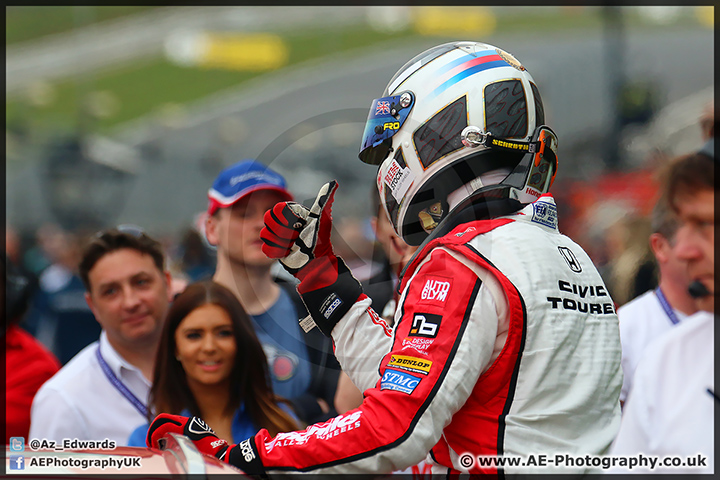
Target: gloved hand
(297, 235)
(300, 238)
(194, 428)
(243, 455)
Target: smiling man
(102, 392)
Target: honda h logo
(570, 259)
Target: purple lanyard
(117, 383)
(666, 306)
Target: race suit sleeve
(443, 341)
(362, 338)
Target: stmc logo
(17, 462)
(570, 259)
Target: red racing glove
(243, 455)
(300, 238)
(297, 235)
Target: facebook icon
(17, 462)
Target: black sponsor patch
(425, 325)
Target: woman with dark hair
(211, 364)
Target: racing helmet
(449, 116)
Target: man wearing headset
(505, 342)
(670, 410)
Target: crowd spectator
(35, 256)
(196, 260)
(102, 392)
(351, 237)
(631, 269)
(657, 310)
(394, 253)
(670, 409)
(59, 316)
(210, 363)
(303, 368)
(381, 288)
(28, 364)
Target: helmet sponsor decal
(512, 61)
(425, 325)
(399, 381)
(509, 144)
(411, 364)
(391, 205)
(398, 180)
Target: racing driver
(505, 341)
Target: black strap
(329, 304)
(246, 457)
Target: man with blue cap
(303, 368)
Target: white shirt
(641, 321)
(670, 411)
(80, 402)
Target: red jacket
(28, 365)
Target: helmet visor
(387, 115)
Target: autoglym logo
(435, 290)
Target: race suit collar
(494, 212)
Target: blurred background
(126, 114)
